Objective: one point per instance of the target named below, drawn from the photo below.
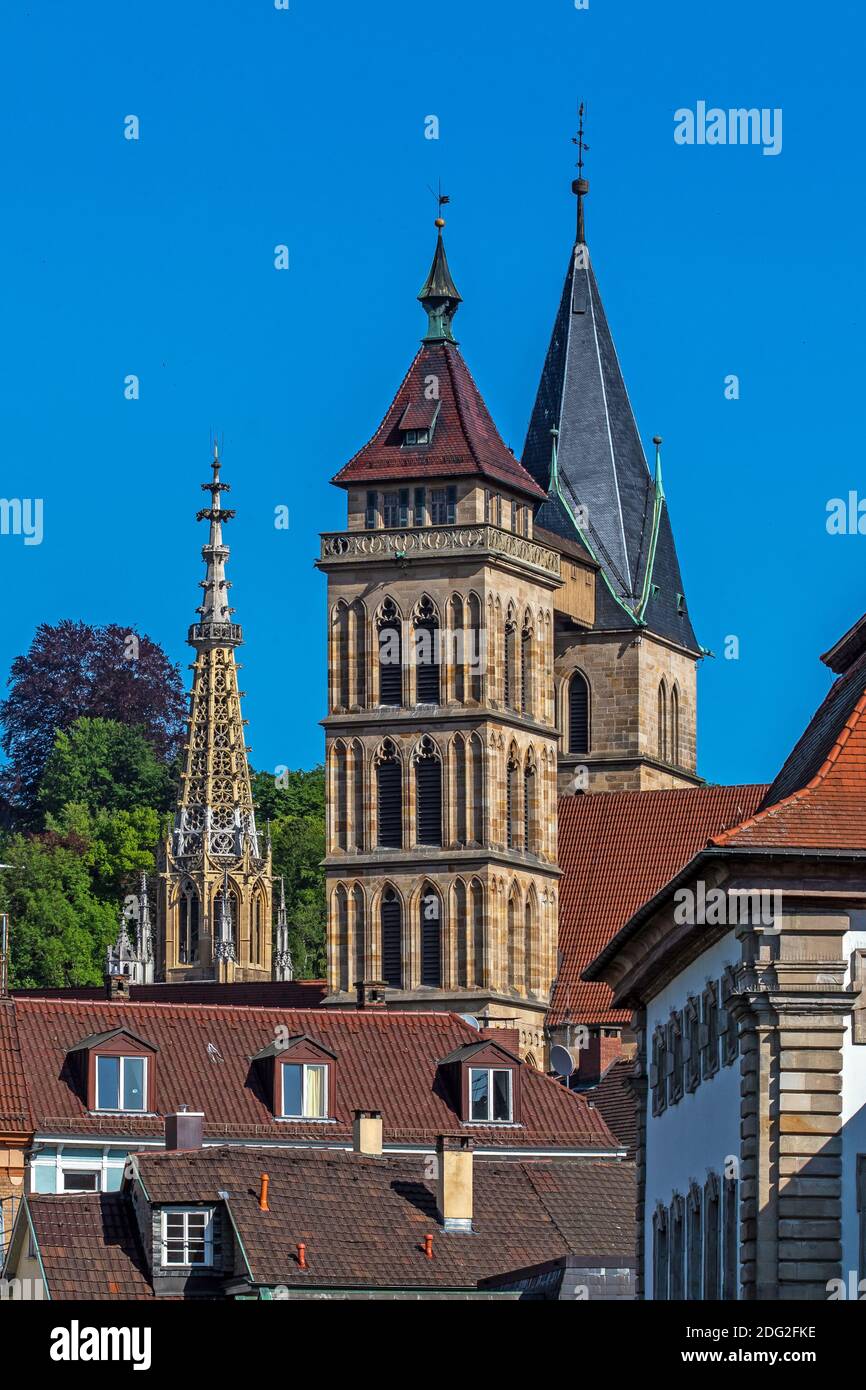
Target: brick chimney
(370, 994)
(184, 1129)
(454, 1182)
(367, 1133)
(603, 1048)
(117, 986)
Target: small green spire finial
(439, 294)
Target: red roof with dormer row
(385, 1060)
(464, 440)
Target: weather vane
(580, 186)
(441, 200)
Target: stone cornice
(433, 542)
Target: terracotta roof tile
(386, 1061)
(465, 440)
(616, 850)
(89, 1246)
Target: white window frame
(185, 1213)
(304, 1067)
(120, 1109)
(489, 1121)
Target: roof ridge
(802, 792)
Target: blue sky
(305, 127)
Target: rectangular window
(404, 506)
(121, 1083)
(416, 436)
(730, 1240)
(420, 505)
(439, 506)
(490, 1094)
(451, 507)
(80, 1181)
(391, 509)
(305, 1091)
(487, 505)
(370, 514)
(187, 1237)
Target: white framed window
(305, 1091)
(121, 1083)
(81, 1179)
(187, 1237)
(490, 1094)
(416, 436)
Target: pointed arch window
(457, 650)
(431, 937)
(473, 654)
(675, 726)
(341, 656)
(188, 924)
(392, 939)
(528, 945)
(390, 654)
(461, 930)
(478, 963)
(426, 653)
(358, 628)
(389, 785)
(428, 794)
(526, 666)
(360, 924)
(511, 673)
(663, 721)
(342, 937)
(530, 809)
(578, 714)
(511, 799)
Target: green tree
(104, 765)
(116, 845)
(60, 930)
(296, 810)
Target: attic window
(187, 1237)
(490, 1094)
(305, 1091)
(681, 604)
(121, 1084)
(417, 423)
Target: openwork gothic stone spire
(214, 842)
(284, 968)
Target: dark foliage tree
(74, 670)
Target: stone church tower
(626, 653)
(215, 891)
(441, 739)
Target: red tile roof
(14, 1103)
(616, 850)
(89, 1246)
(818, 800)
(385, 1061)
(363, 1220)
(613, 1097)
(268, 994)
(465, 440)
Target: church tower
(626, 653)
(441, 740)
(214, 895)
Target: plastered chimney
(454, 1182)
(367, 1133)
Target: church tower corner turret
(214, 903)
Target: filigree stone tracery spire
(214, 839)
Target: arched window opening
(389, 781)
(359, 907)
(479, 967)
(462, 931)
(578, 714)
(530, 810)
(428, 794)
(461, 832)
(431, 937)
(188, 924)
(356, 837)
(458, 653)
(511, 800)
(663, 721)
(528, 946)
(341, 796)
(392, 944)
(426, 628)
(475, 774)
(675, 725)
(514, 943)
(341, 654)
(359, 625)
(342, 937)
(526, 666)
(512, 681)
(390, 655)
(474, 656)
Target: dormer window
(298, 1075)
(490, 1094)
(187, 1237)
(121, 1083)
(115, 1072)
(305, 1091)
(416, 437)
(417, 424)
(482, 1080)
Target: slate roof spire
(600, 490)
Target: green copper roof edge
(554, 487)
(658, 503)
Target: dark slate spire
(439, 294)
(600, 489)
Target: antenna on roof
(562, 1061)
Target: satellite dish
(471, 1020)
(562, 1061)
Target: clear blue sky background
(306, 127)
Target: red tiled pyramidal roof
(386, 1060)
(617, 850)
(464, 441)
(818, 800)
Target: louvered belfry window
(426, 654)
(578, 714)
(509, 665)
(428, 795)
(431, 938)
(510, 807)
(390, 655)
(392, 949)
(389, 776)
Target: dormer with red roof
(441, 739)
